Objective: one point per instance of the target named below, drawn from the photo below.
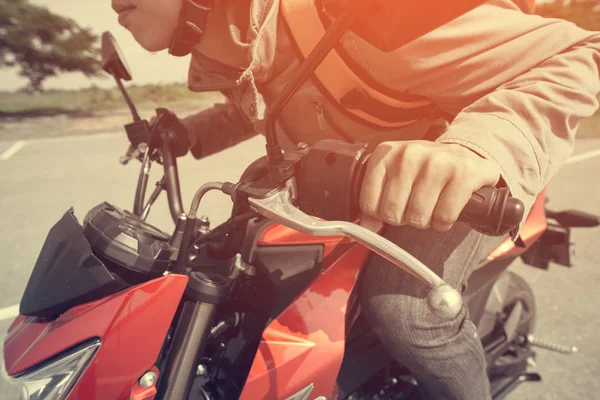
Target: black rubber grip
(492, 211)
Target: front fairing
(67, 273)
(131, 325)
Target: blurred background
(49, 67)
(61, 136)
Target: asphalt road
(43, 178)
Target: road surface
(41, 179)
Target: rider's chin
(150, 41)
(154, 46)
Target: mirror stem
(136, 116)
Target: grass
(92, 102)
(93, 99)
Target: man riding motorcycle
(492, 98)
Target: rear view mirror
(389, 24)
(112, 59)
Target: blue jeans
(445, 356)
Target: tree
(42, 44)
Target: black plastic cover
(138, 132)
(112, 60)
(67, 273)
(288, 270)
(127, 240)
(329, 180)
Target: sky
(99, 17)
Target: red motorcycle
(262, 306)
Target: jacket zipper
(320, 114)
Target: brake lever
(443, 300)
(133, 153)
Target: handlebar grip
(492, 211)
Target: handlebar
(171, 177)
(172, 143)
(489, 208)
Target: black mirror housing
(112, 59)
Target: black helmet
(191, 25)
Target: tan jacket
(518, 84)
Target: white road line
(12, 150)
(9, 312)
(103, 135)
(584, 156)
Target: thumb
(370, 223)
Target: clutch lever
(443, 300)
(133, 153)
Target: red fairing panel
(535, 225)
(305, 344)
(131, 324)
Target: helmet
(191, 25)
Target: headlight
(54, 380)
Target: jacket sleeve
(527, 125)
(217, 128)
(518, 85)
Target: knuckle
(467, 167)
(417, 221)
(411, 156)
(414, 147)
(373, 177)
(444, 219)
(390, 215)
(386, 146)
(441, 228)
(442, 223)
(419, 224)
(382, 150)
(378, 170)
(441, 161)
(368, 208)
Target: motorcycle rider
(504, 91)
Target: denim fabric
(445, 356)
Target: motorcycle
(261, 306)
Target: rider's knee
(407, 321)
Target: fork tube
(188, 343)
